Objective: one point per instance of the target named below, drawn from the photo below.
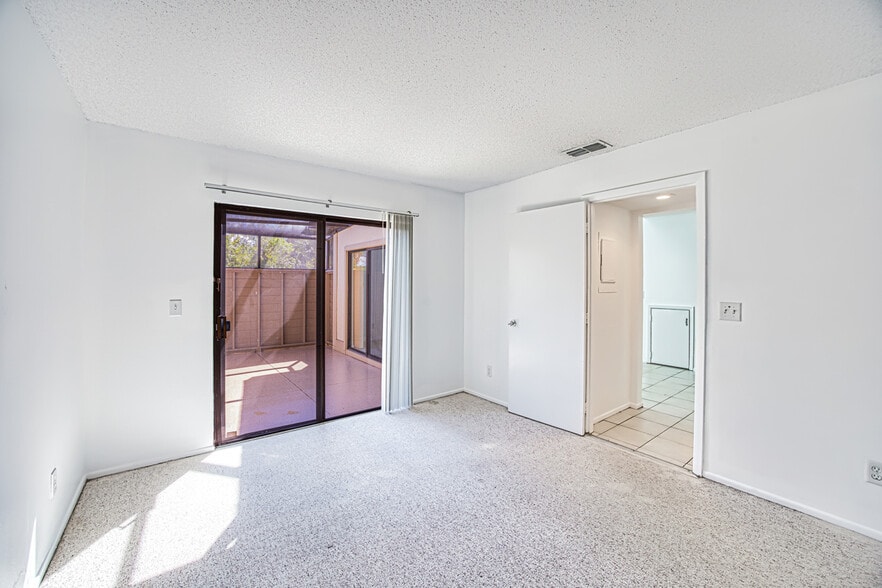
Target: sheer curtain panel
(397, 371)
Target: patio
(277, 387)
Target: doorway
(366, 301)
(575, 312)
(280, 314)
(653, 403)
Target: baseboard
(145, 463)
(439, 395)
(818, 514)
(57, 540)
(609, 413)
(486, 397)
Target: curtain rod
(326, 203)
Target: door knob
(513, 323)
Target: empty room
(440, 293)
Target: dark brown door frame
(220, 328)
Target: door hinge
(217, 284)
(687, 321)
(587, 317)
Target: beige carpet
(455, 492)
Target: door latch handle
(221, 326)
(513, 323)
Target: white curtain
(397, 370)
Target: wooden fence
(273, 307)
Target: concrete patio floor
(277, 387)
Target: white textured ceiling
(458, 94)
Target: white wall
(148, 234)
(610, 374)
(42, 152)
(793, 196)
(669, 264)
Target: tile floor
(663, 427)
(276, 387)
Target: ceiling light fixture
(663, 197)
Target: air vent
(586, 149)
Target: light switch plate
(175, 308)
(730, 311)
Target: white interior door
(669, 336)
(546, 344)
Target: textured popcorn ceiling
(458, 94)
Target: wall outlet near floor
(730, 311)
(489, 371)
(53, 483)
(874, 472)
(175, 307)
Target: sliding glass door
(280, 354)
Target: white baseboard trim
(818, 514)
(439, 395)
(145, 463)
(38, 579)
(609, 413)
(485, 397)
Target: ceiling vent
(586, 149)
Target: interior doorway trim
(698, 180)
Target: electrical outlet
(874, 472)
(53, 483)
(730, 311)
(489, 371)
(175, 307)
